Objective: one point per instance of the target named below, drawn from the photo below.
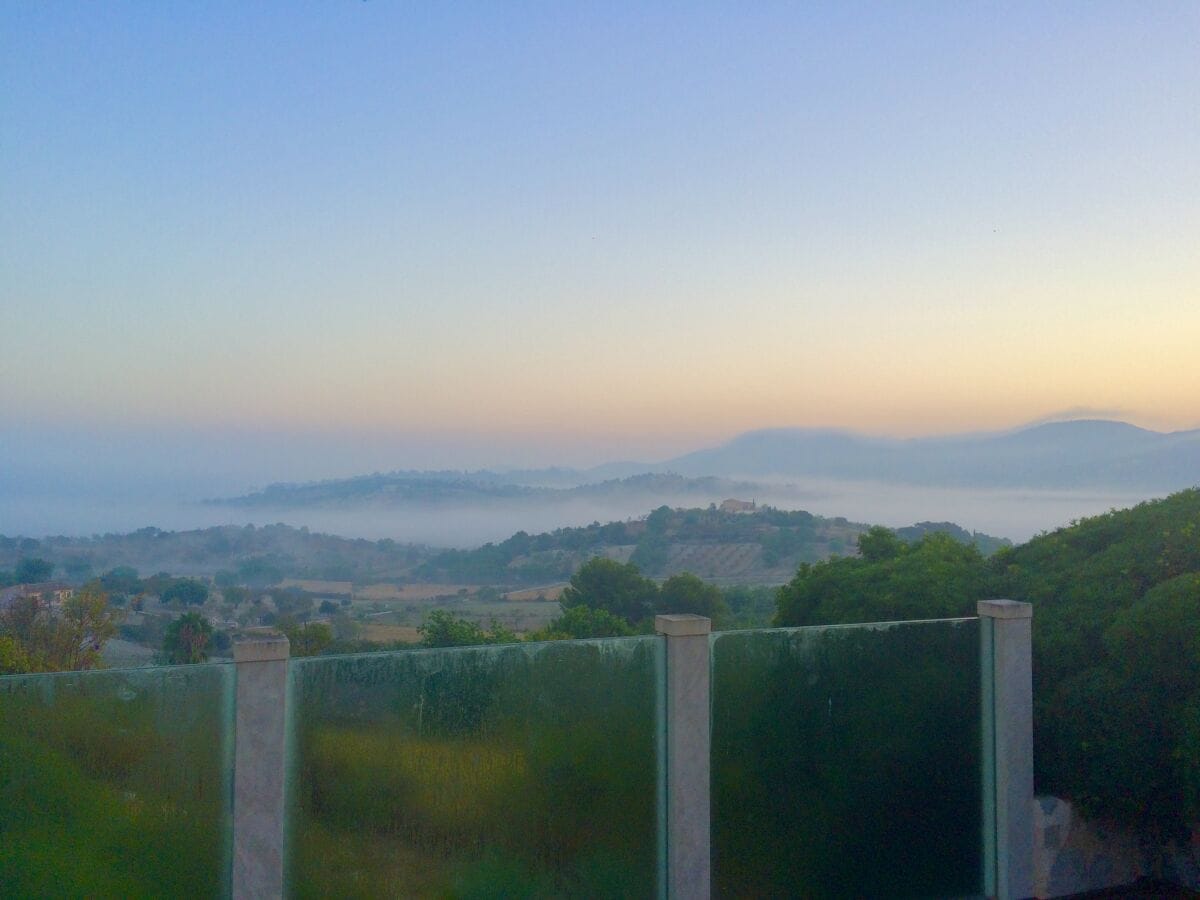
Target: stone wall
(1072, 855)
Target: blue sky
(568, 232)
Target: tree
(77, 568)
(620, 588)
(14, 660)
(121, 579)
(188, 639)
(685, 593)
(579, 622)
(234, 595)
(32, 570)
(309, 639)
(39, 638)
(936, 577)
(879, 543)
(444, 629)
(294, 602)
(187, 591)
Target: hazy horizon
(79, 484)
(246, 244)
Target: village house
(51, 593)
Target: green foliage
(835, 746)
(77, 568)
(293, 602)
(1116, 641)
(188, 639)
(937, 577)
(785, 537)
(259, 571)
(750, 606)
(442, 628)
(522, 771)
(114, 784)
(122, 581)
(309, 639)
(619, 588)
(985, 543)
(32, 570)
(235, 595)
(685, 593)
(878, 544)
(579, 622)
(14, 659)
(651, 551)
(1116, 614)
(40, 638)
(187, 591)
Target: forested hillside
(1116, 631)
(764, 545)
(231, 553)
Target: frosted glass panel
(509, 771)
(846, 761)
(116, 783)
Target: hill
(763, 546)
(1054, 455)
(760, 546)
(235, 554)
(450, 488)
(1116, 632)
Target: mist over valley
(1013, 484)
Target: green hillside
(1116, 631)
(764, 545)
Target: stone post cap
(1004, 609)
(264, 648)
(682, 624)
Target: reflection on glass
(846, 761)
(116, 783)
(508, 771)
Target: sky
(402, 234)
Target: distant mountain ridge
(1082, 453)
(409, 487)
(1085, 453)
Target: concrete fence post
(1006, 633)
(688, 755)
(258, 777)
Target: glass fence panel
(507, 771)
(846, 761)
(117, 783)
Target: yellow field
(410, 591)
(553, 592)
(381, 633)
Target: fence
(870, 760)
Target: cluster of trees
(235, 555)
(621, 590)
(29, 570)
(605, 598)
(36, 638)
(444, 629)
(1116, 639)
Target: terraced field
(715, 560)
